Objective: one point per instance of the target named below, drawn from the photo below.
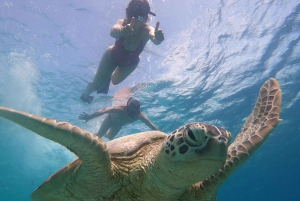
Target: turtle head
(193, 153)
(197, 141)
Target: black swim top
(123, 57)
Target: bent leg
(105, 126)
(112, 132)
(104, 72)
(121, 73)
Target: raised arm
(146, 121)
(156, 35)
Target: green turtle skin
(189, 164)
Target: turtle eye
(191, 134)
(190, 138)
(195, 136)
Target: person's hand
(159, 35)
(84, 116)
(127, 30)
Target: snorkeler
(121, 59)
(117, 117)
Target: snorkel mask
(139, 10)
(133, 106)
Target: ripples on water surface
(215, 57)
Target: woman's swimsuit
(123, 57)
(113, 122)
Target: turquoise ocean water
(215, 57)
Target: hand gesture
(84, 116)
(127, 30)
(159, 35)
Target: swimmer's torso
(122, 118)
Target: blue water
(215, 57)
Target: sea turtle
(189, 164)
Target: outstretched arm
(146, 121)
(86, 117)
(156, 35)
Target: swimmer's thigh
(112, 132)
(105, 69)
(121, 73)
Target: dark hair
(135, 9)
(133, 104)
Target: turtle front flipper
(90, 149)
(256, 129)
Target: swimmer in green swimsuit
(117, 117)
(121, 59)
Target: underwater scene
(209, 68)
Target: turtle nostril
(222, 139)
